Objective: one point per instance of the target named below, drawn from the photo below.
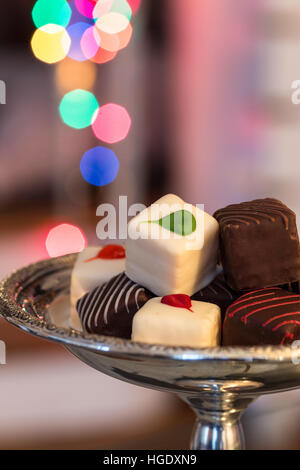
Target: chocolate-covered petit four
(265, 316)
(259, 244)
(109, 309)
(218, 292)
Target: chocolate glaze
(109, 309)
(292, 287)
(259, 244)
(266, 316)
(218, 293)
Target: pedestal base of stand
(218, 425)
(218, 383)
(210, 436)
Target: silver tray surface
(218, 383)
(26, 294)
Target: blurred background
(204, 90)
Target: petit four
(172, 247)
(265, 316)
(109, 309)
(259, 244)
(176, 320)
(94, 266)
(218, 292)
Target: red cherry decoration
(178, 300)
(110, 252)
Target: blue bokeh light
(77, 16)
(76, 32)
(99, 166)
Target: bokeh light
(109, 42)
(134, 5)
(102, 56)
(125, 37)
(99, 166)
(112, 23)
(76, 32)
(90, 42)
(51, 12)
(112, 123)
(65, 239)
(115, 42)
(50, 43)
(102, 7)
(71, 75)
(86, 7)
(77, 108)
(77, 17)
(122, 7)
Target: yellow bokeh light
(73, 75)
(50, 43)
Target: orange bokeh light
(103, 56)
(73, 75)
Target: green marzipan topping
(180, 222)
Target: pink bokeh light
(134, 5)
(86, 7)
(112, 123)
(65, 239)
(90, 42)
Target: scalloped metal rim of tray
(14, 314)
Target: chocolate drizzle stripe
(289, 322)
(79, 304)
(223, 288)
(280, 316)
(129, 292)
(137, 295)
(213, 290)
(109, 302)
(236, 213)
(245, 317)
(257, 292)
(231, 314)
(119, 289)
(287, 335)
(120, 295)
(92, 308)
(83, 304)
(109, 309)
(87, 305)
(261, 317)
(243, 219)
(97, 306)
(105, 299)
(271, 206)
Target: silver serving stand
(217, 383)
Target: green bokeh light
(122, 7)
(77, 108)
(51, 11)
